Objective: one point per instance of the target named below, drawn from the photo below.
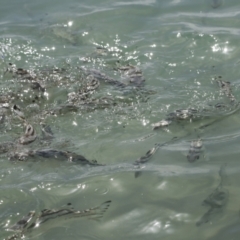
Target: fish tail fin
(100, 210)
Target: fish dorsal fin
(46, 212)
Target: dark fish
(95, 73)
(47, 133)
(195, 150)
(216, 201)
(226, 89)
(134, 74)
(37, 86)
(49, 214)
(102, 77)
(180, 114)
(29, 135)
(18, 71)
(18, 112)
(220, 106)
(91, 85)
(64, 108)
(136, 80)
(149, 154)
(21, 224)
(11, 68)
(21, 71)
(144, 159)
(85, 92)
(102, 51)
(61, 155)
(30, 222)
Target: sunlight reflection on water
(182, 49)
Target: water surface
(180, 46)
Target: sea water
(182, 47)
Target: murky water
(184, 188)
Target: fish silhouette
(32, 221)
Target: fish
(102, 77)
(216, 201)
(182, 114)
(65, 34)
(195, 150)
(21, 224)
(11, 68)
(85, 92)
(47, 133)
(133, 73)
(23, 154)
(179, 114)
(148, 155)
(226, 89)
(37, 86)
(31, 221)
(70, 156)
(144, 159)
(29, 135)
(18, 71)
(16, 109)
(191, 113)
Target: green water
(180, 46)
